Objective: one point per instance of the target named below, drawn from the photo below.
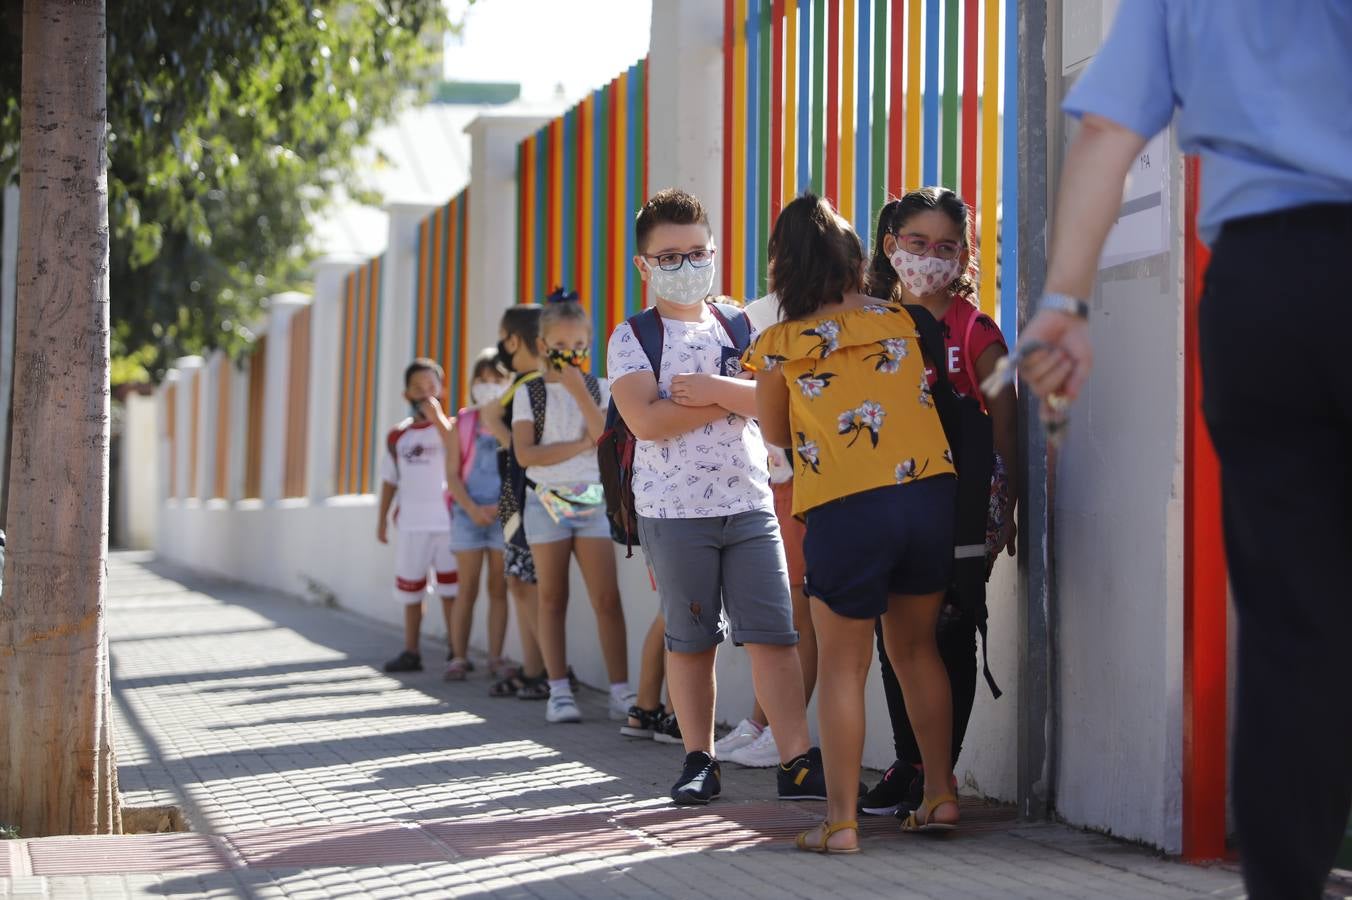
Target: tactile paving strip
(126, 853)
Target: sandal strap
(928, 807)
(830, 828)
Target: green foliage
(9, 832)
(230, 124)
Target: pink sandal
(502, 668)
(456, 670)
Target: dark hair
(815, 257)
(523, 322)
(672, 206)
(882, 280)
(423, 364)
(562, 306)
(487, 362)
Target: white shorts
(415, 554)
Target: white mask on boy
(685, 286)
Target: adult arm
(772, 408)
(651, 418)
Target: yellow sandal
(919, 820)
(829, 829)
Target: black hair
(423, 364)
(487, 362)
(523, 323)
(562, 306)
(815, 257)
(882, 281)
(672, 206)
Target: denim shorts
(466, 535)
(719, 575)
(866, 547)
(542, 529)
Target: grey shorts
(720, 574)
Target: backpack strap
(967, 353)
(735, 322)
(647, 327)
(593, 387)
(467, 431)
(931, 342)
(535, 393)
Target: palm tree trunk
(59, 775)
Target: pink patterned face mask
(923, 275)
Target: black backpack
(971, 437)
(615, 449)
(512, 498)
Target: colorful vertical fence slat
(581, 178)
(358, 429)
(253, 436)
(861, 100)
(220, 476)
(297, 406)
(441, 301)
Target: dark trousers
(957, 649)
(1277, 382)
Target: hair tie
(561, 295)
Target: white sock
(620, 691)
(560, 688)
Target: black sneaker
(642, 722)
(667, 731)
(804, 778)
(700, 780)
(888, 795)
(405, 662)
(914, 796)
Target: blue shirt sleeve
(1129, 82)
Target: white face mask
(923, 275)
(685, 286)
(483, 391)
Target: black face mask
(417, 409)
(505, 357)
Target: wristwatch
(1064, 303)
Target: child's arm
(571, 378)
(493, 416)
(651, 418)
(1004, 411)
(529, 453)
(481, 515)
(772, 408)
(387, 490)
(736, 395)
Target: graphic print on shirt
(717, 470)
(414, 462)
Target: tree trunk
(57, 772)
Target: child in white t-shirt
(413, 470)
(556, 422)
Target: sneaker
(743, 733)
(759, 754)
(889, 793)
(700, 780)
(562, 708)
(915, 795)
(804, 778)
(667, 731)
(620, 706)
(405, 662)
(641, 723)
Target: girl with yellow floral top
(841, 381)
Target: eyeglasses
(922, 246)
(673, 261)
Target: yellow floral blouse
(860, 408)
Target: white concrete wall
(1118, 539)
(139, 472)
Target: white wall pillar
(492, 218)
(211, 399)
(326, 335)
(189, 369)
(685, 101)
(139, 471)
(239, 429)
(276, 373)
(399, 285)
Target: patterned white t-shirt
(414, 461)
(717, 470)
(563, 422)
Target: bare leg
(551, 567)
(908, 635)
(807, 654)
(412, 626)
(526, 597)
(497, 604)
(690, 682)
(596, 558)
(470, 563)
(779, 683)
(847, 645)
(652, 665)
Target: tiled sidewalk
(306, 772)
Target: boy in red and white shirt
(413, 469)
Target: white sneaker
(742, 734)
(619, 708)
(562, 708)
(759, 754)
